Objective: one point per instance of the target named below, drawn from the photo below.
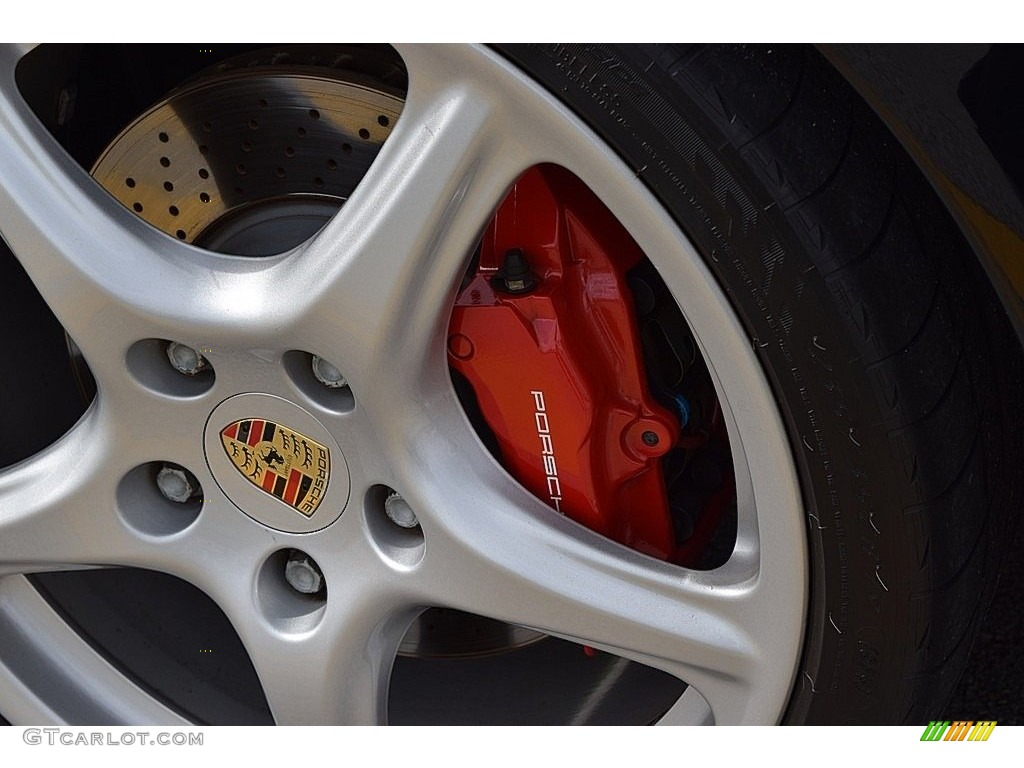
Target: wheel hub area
(254, 161)
(276, 463)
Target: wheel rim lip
(761, 449)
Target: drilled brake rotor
(251, 161)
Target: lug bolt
(328, 374)
(650, 438)
(399, 512)
(176, 484)
(185, 359)
(303, 574)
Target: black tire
(896, 370)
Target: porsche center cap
(276, 463)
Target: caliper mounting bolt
(515, 276)
(302, 573)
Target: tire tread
(910, 320)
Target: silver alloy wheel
(392, 257)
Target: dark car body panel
(958, 110)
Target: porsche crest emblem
(280, 461)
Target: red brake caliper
(545, 332)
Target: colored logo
(286, 464)
(959, 730)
